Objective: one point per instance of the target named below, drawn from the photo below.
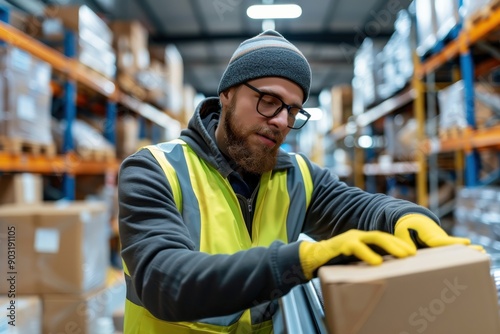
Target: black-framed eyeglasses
(270, 105)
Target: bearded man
(209, 222)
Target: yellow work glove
(351, 243)
(427, 232)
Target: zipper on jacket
(246, 205)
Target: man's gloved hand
(427, 232)
(353, 242)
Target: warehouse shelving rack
(417, 91)
(471, 139)
(68, 164)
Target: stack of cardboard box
(60, 260)
(26, 99)
(93, 36)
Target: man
(209, 222)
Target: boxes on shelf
(365, 68)
(27, 98)
(477, 216)
(127, 136)
(130, 40)
(24, 316)
(89, 144)
(486, 104)
(85, 313)
(341, 104)
(447, 18)
(188, 103)
(426, 26)
(93, 36)
(401, 139)
(452, 117)
(64, 247)
(171, 58)
(21, 188)
(471, 9)
(452, 107)
(398, 53)
(440, 290)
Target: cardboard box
(27, 96)
(72, 247)
(24, 315)
(440, 290)
(82, 20)
(341, 104)
(59, 248)
(131, 46)
(17, 231)
(21, 188)
(66, 313)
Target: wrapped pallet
(27, 99)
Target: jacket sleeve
(336, 207)
(174, 281)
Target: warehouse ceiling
(206, 32)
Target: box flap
(428, 259)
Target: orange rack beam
(41, 164)
(467, 37)
(58, 61)
(489, 137)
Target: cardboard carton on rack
(440, 290)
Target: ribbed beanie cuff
(268, 54)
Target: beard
(256, 159)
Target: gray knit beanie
(268, 54)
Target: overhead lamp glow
(259, 12)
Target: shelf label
(47, 240)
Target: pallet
(482, 14)
(99, 155)
(20, 145)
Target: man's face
(250, 139)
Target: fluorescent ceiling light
(274, 11)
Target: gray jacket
(176, 283)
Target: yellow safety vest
(282, 199)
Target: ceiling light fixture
(259, 12)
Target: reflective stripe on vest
(217, 226)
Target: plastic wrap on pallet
(98, 56)
(477, 215)
(447, 17)
(365, 70)
(426, 26)
(470, 7)
(94, 37)
(82, 20)
(397, 67)
(85, 137)
(28, 97)
(452, 107)
(487, 105)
